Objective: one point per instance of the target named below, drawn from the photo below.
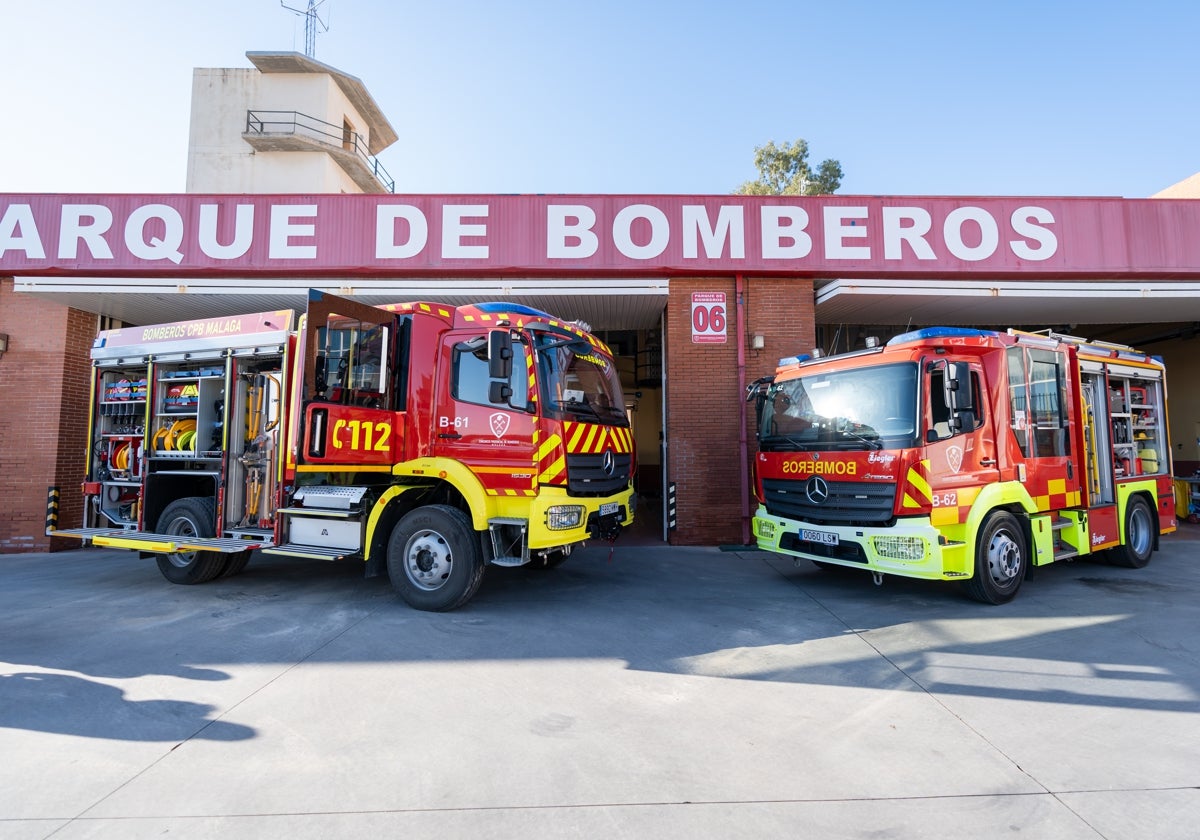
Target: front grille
(848, 503)
(586, 476)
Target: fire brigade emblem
(954, 458)
(499, 424)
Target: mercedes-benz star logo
(608, 463)
(817, 490)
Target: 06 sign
(709, 317)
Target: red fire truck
(961, 454)
(421, 438)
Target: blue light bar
(940, 332)
(498, 308)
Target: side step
(310, 552)
(1062, 550)
(501, 553)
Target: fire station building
(697, 295)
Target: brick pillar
(704, 457)
(43, 416)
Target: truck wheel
(236, 563)
(192, 517)
(434, 558)
(1000, 560)
(1139, 536)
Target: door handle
(450, 435)
(987, 462)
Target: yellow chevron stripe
(575, 431)
(549, 446)
(920, 484)
(553, 471)
(587, 444)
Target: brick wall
(704, 399)
(43, 416)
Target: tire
(191, 517)
(1001, 560)
(434, 558)
(1140, 530)
(236, 563)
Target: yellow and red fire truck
(962, 454)
(423, 439)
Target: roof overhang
(1008, 302)
(605, 304)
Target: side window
(1018, 401)
(939, 412)
(470, 382)
(1047, 393)
(353, 364)
(1037, 394)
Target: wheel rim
(427, 560)
(182, 527)
(1003, 558)
(1139, 531)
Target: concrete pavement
(666, 692)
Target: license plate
(822, 537)
(609, 508)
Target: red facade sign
(182, 235)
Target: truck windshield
(579, 383)
(863, 408)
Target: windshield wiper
(577, 407)
(799, 445)
(872, 443)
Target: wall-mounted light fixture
(3, 343)
(758, 342)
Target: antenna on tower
(311, 21)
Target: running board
(310, 552)
(156, 543)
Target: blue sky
(913, 98)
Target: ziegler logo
(499, 423)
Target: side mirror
(957, 387)
(499, 393)
(500, 354)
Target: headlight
(899, 548)
(764, 528)
(562, 517)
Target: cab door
(493, 434)
(352, 385)
(960, 444)
(1041, 423)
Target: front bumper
(910, 548)
(593, 523)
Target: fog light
(764, 528)
(899, 548)
(562, 517)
